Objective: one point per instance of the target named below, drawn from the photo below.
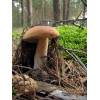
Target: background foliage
(73, 37)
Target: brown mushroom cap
(38, 32)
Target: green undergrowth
(16, 33)
(75, 38)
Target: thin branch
(76, 58)
(22, 67)
(84, 2)
(70, 21)
(80, 51)
(79, 14)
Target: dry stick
(80, 62)
(70, 21)
(15, 72)
(84, 2)
(76, 59)
(77, 19)
(57, 65)
(61, 21)
(79, 15)
(58, 73)
(22, 66)
(80, 51)
(68, 84)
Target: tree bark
(21, 12)
(56, 10)
(26, 6)
(24, 13)
(29, 10)
(66, 9)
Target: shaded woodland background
(32, 12)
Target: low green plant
(16, 34)
(75, 38)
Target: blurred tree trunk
(66, 9)
(24, 13)
(26, 6)
(56, 10)
(29, 11)
(21, 12)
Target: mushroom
(40, 34)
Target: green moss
(73, 37)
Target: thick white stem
(41, 51)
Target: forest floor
(51, 86)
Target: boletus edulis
(40, 34)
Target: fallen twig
(76, 58)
